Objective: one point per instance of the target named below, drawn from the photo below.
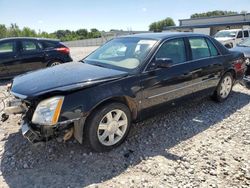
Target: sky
(52, 15)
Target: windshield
(245, 43)
(121, 53)
(225, 34)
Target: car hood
(65, 77)
(245, 50)
(223, 39)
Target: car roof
(163, 35)
(27, 38)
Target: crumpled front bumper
(37, 133)
(15, 106)
(47, 132)
(29, 133)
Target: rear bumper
(246, 81)
(67, 59)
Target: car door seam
(160, 94)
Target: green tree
(63, 35)
(82, 33)
(159, 26)
(3, 31)
(27, 32)
(14, 31)
(213, 13)
(94, 33)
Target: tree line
(67, 35)
(64, 35)
(159, 25)
(216, 13)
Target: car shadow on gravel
(73, 165)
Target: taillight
(64, 50)
(239, 65)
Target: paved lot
(78, 53)
(198, 144)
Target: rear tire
(108, 127)
(54, 63)
(224, 88)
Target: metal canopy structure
(212, 24)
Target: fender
(125, 90)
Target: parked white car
(230, 38)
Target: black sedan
(20, 55)
(244, 47)
(123, 81)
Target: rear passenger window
(246, 34)
(48, 44)
(199, 48)
(213, 50)
(29, 46)
(6, 47)
(174, 49)
(40, 45)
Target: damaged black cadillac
(124, 81)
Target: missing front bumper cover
(30, 134)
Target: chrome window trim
(164, 93)
(165, 40)
(190, 61)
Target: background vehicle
(20, 55)
(244, 47)
(125, 80)
(231, 37)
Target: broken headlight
(47, 111)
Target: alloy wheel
(112, 127)
(55, 63)
(226, 86)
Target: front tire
(224, 88)
(108, 127)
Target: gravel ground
(198, 144)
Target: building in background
(211, 25)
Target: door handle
(197, 70)
(187, 74)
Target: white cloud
(40, 21)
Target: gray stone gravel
(198, 144)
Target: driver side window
(173, 49)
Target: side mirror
(163, 62)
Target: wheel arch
(128, 101)
(232, 71)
